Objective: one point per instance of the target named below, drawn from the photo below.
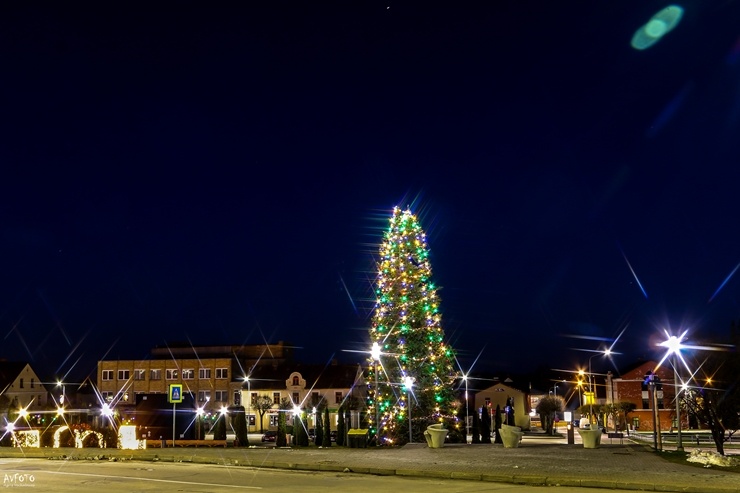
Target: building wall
(498, 395)
(628, 388)
(28, 390)
(121, 380)
(334, 397)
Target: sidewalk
(537, 462)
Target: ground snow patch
(712, 459)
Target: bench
(617, 434)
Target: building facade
(212, 375)
(306, 387)
(635, 386)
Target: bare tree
(262, 404)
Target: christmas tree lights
(407, 329)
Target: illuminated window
(273, 419)
(204, 395)
(107, 375)
(107, 396)
(222, 373)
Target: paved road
(538, 461)
(124, 477)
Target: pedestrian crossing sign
(174, 396)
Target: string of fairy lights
(406, 325)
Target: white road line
(111, 476)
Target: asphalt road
(39, 475)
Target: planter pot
(590, 438)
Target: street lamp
(375, 354)
(199, 421)
(249, 400)
(605, 352)
(465, 379)
(674, 349)
(408, 383)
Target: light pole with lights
(375, 354)
(674, 349)
(249, 400)
(408, 383)
(467, 417)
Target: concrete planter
(435, 436)
(590, 438)
(511, 436)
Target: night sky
(222, 173)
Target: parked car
(269, 436)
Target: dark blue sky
(223, 174)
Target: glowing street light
(465, 379)
(106, 410)
(674, 346)
(249, 399)
(375, 355)
(408, 383)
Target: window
(237, 398)
(32, 382)
(107, 396)
(188, 374)
(337, 397)
(107, 375)
(139, 374)
(273, 419)
(171, 374)
(204, 373)
(123, 374)
(295, 381)
(222, 373)
(222, 396)
(21, 383)
(276, 398)
(155, 375)
(204, 395)
(315, 397)
(296, 398)
(254, 397)
(251, 420)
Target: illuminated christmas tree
(408, 339)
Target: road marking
(172, 481)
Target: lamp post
(679, 442)
(375, 354)
(467, 417)
(249, 400)
(674, 346)
(408, 382)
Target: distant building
(212, 375)
(21, 387)
(307, 386)
(498, 395)
(633, 386)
